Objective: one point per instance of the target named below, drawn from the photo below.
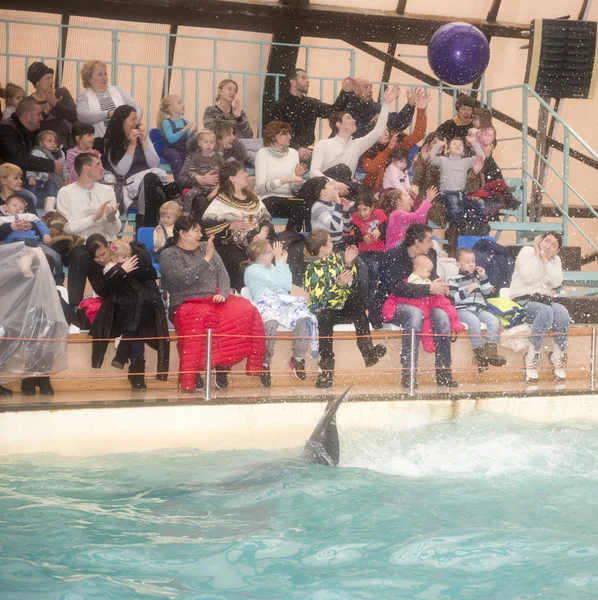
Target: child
(422, 269)
(82, 135)
(169, 212)
(270, 289)
(205, 163)
(453, 175)
(482, 129)
(395, 175)
(469, 290)
(330, 213)
(47, 184)
(370, 226)
(176, 131)
(11, 182)
(329, 280)
(118, 251)
(37, 236)
(13, 94)
(401, 205)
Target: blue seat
(469, 241)
(157, 140)
(145, 235)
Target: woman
(97, 103)
(235, 218)
(130, 154)
(228, 107)
(198, 287)
(279, 176)
(132, 308)
(538, 272)
(58, 106)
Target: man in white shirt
(342, 148)
(89, 208)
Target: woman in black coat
(132, 308)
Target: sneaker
(445, 379)
(298, 367)
(199, 385)
(221, 380)
(558, 358)
(532, 362)
(265, 377)
(324, 381)
(374, 354)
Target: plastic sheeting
(30, 310)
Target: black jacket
(16, 143)
(61, 118)
(395, 268)
(364, 112)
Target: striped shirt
(332, 218)
(107, 104)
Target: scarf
(276, 153)
(94, 106)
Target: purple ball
(458, 53)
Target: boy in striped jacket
(468, 290)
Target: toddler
(469, 290)
(82, 135)
(370, 227)
(330, 213)
(395, 175)
(399, 205)
(482, 128)
(331, 284)
(270, 289)
(169, 212)
(47, 184)
(13, 94)
(119, 251)
(201, 171)
(422, 269)
(176, 131)
(36, 236)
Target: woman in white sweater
(538, 272)
(279, 176)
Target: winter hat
(36, 71)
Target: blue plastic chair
(157, 140)
(145, 235)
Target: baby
(119, 251)
(169, 212)
(396, 176)
(36, 234)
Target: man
(343, 148)
(302, 112)
(398, 265)
(89, 207)
(356, 99)
(458, 126)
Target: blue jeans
(545, 317)
(372, 260)
(473, 319)
(44, 189)
(409, 317)
(453, 203)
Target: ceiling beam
(493, 12)
(314, 20)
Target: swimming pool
(482, 506)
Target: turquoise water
(483, 507)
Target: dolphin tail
(322, 447)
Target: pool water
(482, 507)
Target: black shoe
(374, 354)
(136, 375)
(445, 379)
(298, 367)
(117, 364)
(326, 377)
(5, 391)
(406, 380)
(199, 385)
(28, 386)
(44, 385)
(221, 379)
(265, 377)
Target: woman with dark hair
(538, 272)
(131, 155)
(279, 176)
(198, 286)
(132, 308)
(235, 218)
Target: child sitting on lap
(395, 175)
(43, 184)
(469, 290)
(422, 269)
(270, 288)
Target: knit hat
(36, 71)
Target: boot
(326, 377)
(406, 379)
(373, 354)
(136, 375)
(265, 377)
(44, 385)
(28, 386)
(493, 357)
(5, 391)
(221, 377)
(121, 358)
(532, 362)
(444, 378)
(481, 359)
(558, 358)
(298, 367)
